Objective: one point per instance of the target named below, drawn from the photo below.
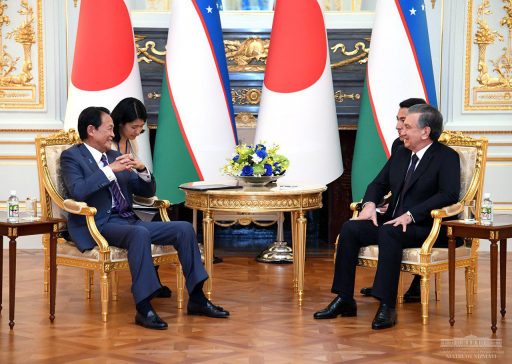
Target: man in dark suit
(413, 294)
(106, 179)
(422, 176)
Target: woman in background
(129, 117)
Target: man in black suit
(413, 294)
(106, 179)
(422, 176)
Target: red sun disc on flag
(298, 46)
(104, 52)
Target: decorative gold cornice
(359, 53)
(249, 55)
(28, 130)
(340, 96)
(148, 53)
(246, 96)
(245, 120)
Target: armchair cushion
(68, 249)
(412, 255)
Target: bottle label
(14, 210)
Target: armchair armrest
(81, 208)
(439, 215)
(448, 211)
(78, 208)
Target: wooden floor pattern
(266, 324)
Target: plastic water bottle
(486, 213)
(13, 207)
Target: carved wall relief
(488, 84)
(21, 71)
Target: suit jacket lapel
(93, 166)
(422, 166)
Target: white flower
(256, 159)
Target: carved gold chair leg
(115, 285)
(425, 291)
(89, 277)
(470, 284)
(400, 297)
(180, 282)
(475, 276)
(437, 278)
(104, 283)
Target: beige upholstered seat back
(472, 153)
(467, 157)
(51, 185)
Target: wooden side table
(501, 229)
(23, 228)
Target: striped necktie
(120, 203)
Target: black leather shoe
(208, 309)
(151, 321)
(337, 307)
(413, 294)
(163, 292)
(367, 291)
(384, 318)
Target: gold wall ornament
(340, 96)
(249, 55)
(488, 86)
(359, 54)
(18, 87)
(246, 96)
(245, 120)
(148, 53)
(154, 95)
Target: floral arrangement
(258, 160)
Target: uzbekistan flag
(196, 130)
(399, 67)
(297, 109)
(105, 68)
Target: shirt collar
(420, 153)
(96, 154)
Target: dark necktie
(120, 203)
(407, 181)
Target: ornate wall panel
(488, 68)
(246, 52)
(21, 55)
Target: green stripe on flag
(172, 162)
(369, 154)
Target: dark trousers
(136, 236)
(391, 240)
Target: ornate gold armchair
(105, 259)
(429, 260)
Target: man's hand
(369, 212)
(122, 163)
(403, 220)
(138, 165)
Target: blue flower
(262, 153)
(236, 158)
(247, 171)
(268, 170)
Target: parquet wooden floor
(266, 324)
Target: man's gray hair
(429, 116)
